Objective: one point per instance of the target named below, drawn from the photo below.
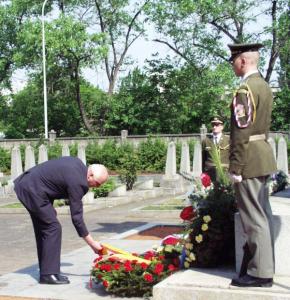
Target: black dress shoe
(53, 279)
(61, 277)
(251, 281)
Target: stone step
(213, 284)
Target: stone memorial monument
(29, 158)
(65, 150)
(42, 154)
(197, 160)
(185, 159)
(82, 153)
(282, 156)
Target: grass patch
(163, 207)
(173, 201)
(57, 203)
(13, 205)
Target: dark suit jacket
(63, 178)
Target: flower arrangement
(209, 220)
(135, 277)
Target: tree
(23, 112)
(120, 21)
(167, 98)
(197, 31)
(281, 107)
(69, 48)
(13, 15)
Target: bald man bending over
(37, 188)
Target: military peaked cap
(237, 49)
(217, 120)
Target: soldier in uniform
(222, 143)
(37, 188)
(251, 163)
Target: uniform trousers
(256, 216)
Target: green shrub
(22, 153)
(105, 188)
(108, 155)
(129, 165)
(54, 151)
(5, 161)
(152, 155)
(73, 149)
(93, 153)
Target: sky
(141, 50)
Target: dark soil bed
(156, 233)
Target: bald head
(97, 175)
(246, 62)
(252, 58)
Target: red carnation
(171, 267)
(106, 268)
(149, 254)
(158, 268)
(187, 213)
(116, 266)
(148, 277)
(128, 266)
(170, 240)
(144, 266)
(105, 283)
(205, 179)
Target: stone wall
(135, 139)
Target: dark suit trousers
(48, 233)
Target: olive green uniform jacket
(250, 153)
(223, 146)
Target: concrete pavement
(18, 248)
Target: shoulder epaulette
(242, 91)
(239, 111)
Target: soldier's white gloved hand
(235, 178)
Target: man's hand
(95, 245)
(235, 178)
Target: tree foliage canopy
(172, 95)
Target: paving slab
(184, 285)
(76, 265)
